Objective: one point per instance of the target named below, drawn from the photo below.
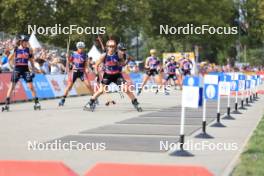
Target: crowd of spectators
(205, 67)
(53, 61)
(49, 61)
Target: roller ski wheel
(139, 91)
(90, 106)
(5, 108)
(138, 108)
(157, 91)
(110, 102)
(37, 107)
(136, 105)
(121, 95)
(86, 107)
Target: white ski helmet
(80, 45)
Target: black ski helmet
(121, 46)
(23, 38)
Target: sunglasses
(111, 46)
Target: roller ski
(136, 105)
(166, 92)
(5, 108)
(61, 103)
(139, 91)
(37, 106)
(110, 102)
(121, 95)
(90, 106)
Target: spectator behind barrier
(4, 64)
(56, 66)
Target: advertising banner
(41, 85)
(58, 84)
(19, 92)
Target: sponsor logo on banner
(190, 92)
(211, 91)
(253, 82)
(248, 83)
(234, 81)
(58, 84)
(234, 85)
(241, 85)
(211, 86)
(136, 78)
(17, 95)
(241, 82)
(224, 84)
(41, 85)
(224, 88)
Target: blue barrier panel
(41, 85)
(136, 78)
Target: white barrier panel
(225, 85)
(190, 92)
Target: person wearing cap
(4, 65)
(152, 66)
(20, 59)
(121, 50)
(171, 68)
(186, 66)
(112, 73)
(79, 69)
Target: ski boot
(62, 101)
(136, 105)
(139, 91)
(90, 105)
(37, 106)
(5, 108)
